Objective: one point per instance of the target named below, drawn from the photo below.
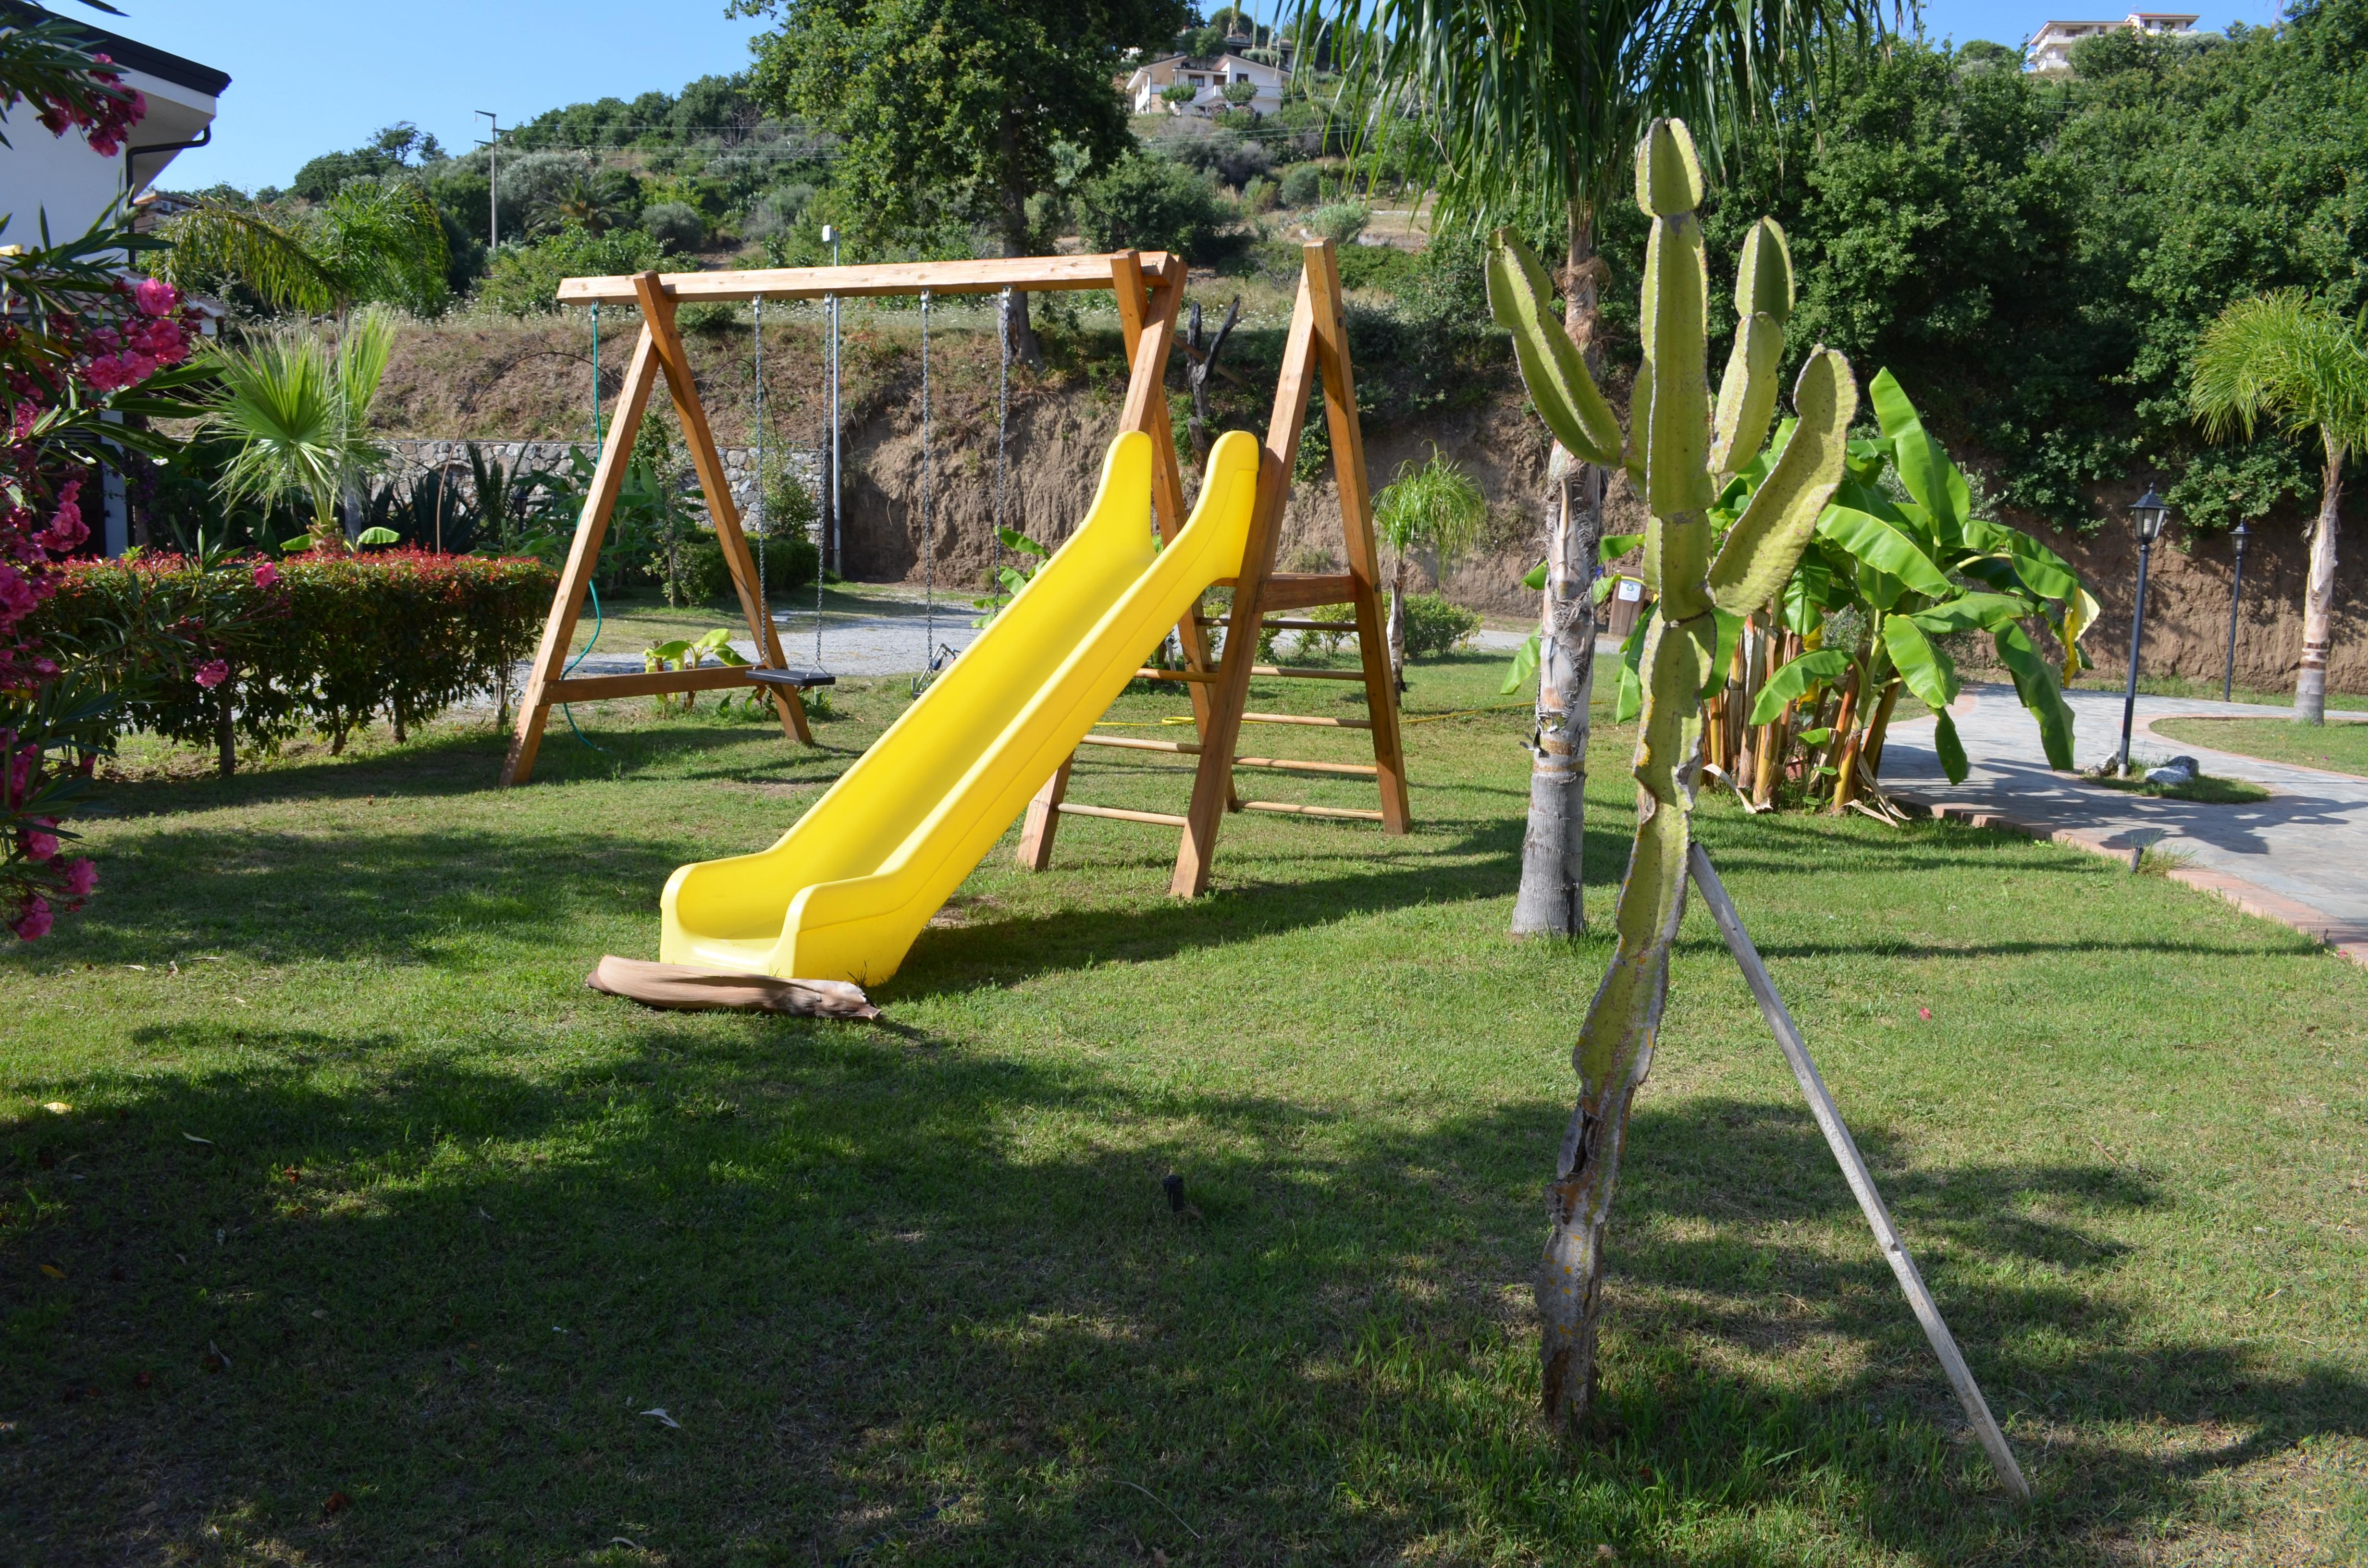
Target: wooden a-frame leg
(1212, 783)
(1045, 819)
(657, 313)
(583, 556)
(1355, 486)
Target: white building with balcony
(61, 176)
(2050, 50)
(1208, 79)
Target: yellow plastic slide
(845, 892)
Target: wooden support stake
(1043, 820)
(1854, 1171)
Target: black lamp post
(2235, 587)
(2148, 512)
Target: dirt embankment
(534, 379)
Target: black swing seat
(801, 679)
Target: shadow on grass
(878, 1293)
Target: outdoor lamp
(2236, 592)
(2149, 512)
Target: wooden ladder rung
(1296, 765)
(1157, 818)
(1304, 719)
(1286, 808)
(1129, 743)
(1290, 672)
(1146, 673)
(1345, 628)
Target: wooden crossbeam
(1301, 590)
(1307, 719)
(988, 276)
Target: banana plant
(689, 653)
(1682, 451)
(1918, 569)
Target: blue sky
(314, 77)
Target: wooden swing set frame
(1149, 288)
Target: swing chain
(928, 545)
(764, 520)
(1002, 443)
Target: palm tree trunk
(2318, 598)
(1397, 623)
(1552, 847)
(1019, 331)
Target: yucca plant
(1435, 505)
(1680, 451)
(300, 411)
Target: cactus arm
(1678, 489)
(1747, 395)
(1763, 278)
(1640, 399)
(1766, 543)
(1521, 296)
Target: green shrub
(676, 225)
(1258, 196)
(1377, 266)
(1434, 627)
(332, 641)
(1147, 203)
(1303, 185)
(1341, 223)
(525, 279)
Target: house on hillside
(1209, 79)
(60, 177)
(2050, 50)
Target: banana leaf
(2034, 682)
(1822, 668)
(1881, 545)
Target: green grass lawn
(2337, 746)
(362, 1197)
(2186, 686)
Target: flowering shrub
(261, 650)
(88, 358)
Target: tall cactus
(1680, 451)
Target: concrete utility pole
(492, 176)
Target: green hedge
(324, 642)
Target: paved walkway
(2299, 858)
(884, 633)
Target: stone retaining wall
(412, 458)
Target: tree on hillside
(2305, 365)
(948, 110)
(1531, 112)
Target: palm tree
(375, 240)
(1436, 504)
(2301, 362)
(301, 413)
(1529, 112)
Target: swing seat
(801, 679)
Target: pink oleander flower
(213, 673)
(40, 847)
(66, 530)
(265, 575)
(156, 296)
(33, 921)
(81, 877)
(16, 596)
